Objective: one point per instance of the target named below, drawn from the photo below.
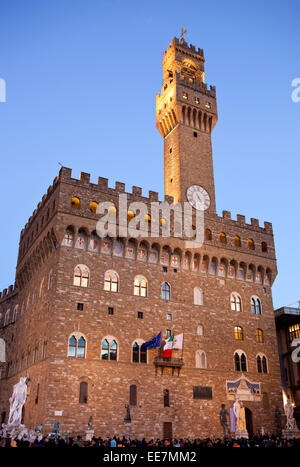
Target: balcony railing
(174, 363)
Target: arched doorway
(249, 421)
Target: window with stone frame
(83, 392)
(132, 394)
(236, 302)
(139, 355)
(140, 286)
(81, 276)
(109, 350)
(111, 281)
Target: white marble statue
(238, 415)
(289, 412)
(17, 400)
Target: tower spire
(186, 113)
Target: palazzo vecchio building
(82, 306)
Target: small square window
(195, 134)
(169, 317)
(174, 270)
(110, 310)
(168, 333)
(140, 314)
(80, 306)
(164, 269)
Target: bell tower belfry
(186, 113)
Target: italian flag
(167, 352)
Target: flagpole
(182, 345)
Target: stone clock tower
(186, 113)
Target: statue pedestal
(289, 434)
(89, 435)
(15, 431)
(127, 431)
(241, 434)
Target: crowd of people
(116, 442)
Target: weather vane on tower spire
(183, 32)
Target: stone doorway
(249, 421)
(167, 430)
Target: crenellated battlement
(65, 175)
(241, 221)
(198, 86)
(187, 49)
(8, 292)
(40, 205)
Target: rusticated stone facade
(48, 304)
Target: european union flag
(153, 343)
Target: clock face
(198, 197)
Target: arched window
(147, 219)
(93, 207)
(6, 318)
(236, 302)
(130, 215)
(112, 211)
(200, 330)
(237, 241)
(2, 351)
(81, 276)
(259, 335)
(135, 352)
(255, 306)
(83, 392)
(50, 279)
(251, 244)
(140, 286)
(223, 238)
(201, 359)
(132, 394)
(75, 202)
(240, 361)
(111, 281)
(166, 398)
(109, 350)
(264, 247)
(139, 353)
(198, 296)
(35, 355)
(165, 291)
(261, 364)
(208, 234)
(76, 347)
(104, 350)
(15, 315)
(238, 333)
(81, 348)
(41, 287)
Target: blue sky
(81, 82)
